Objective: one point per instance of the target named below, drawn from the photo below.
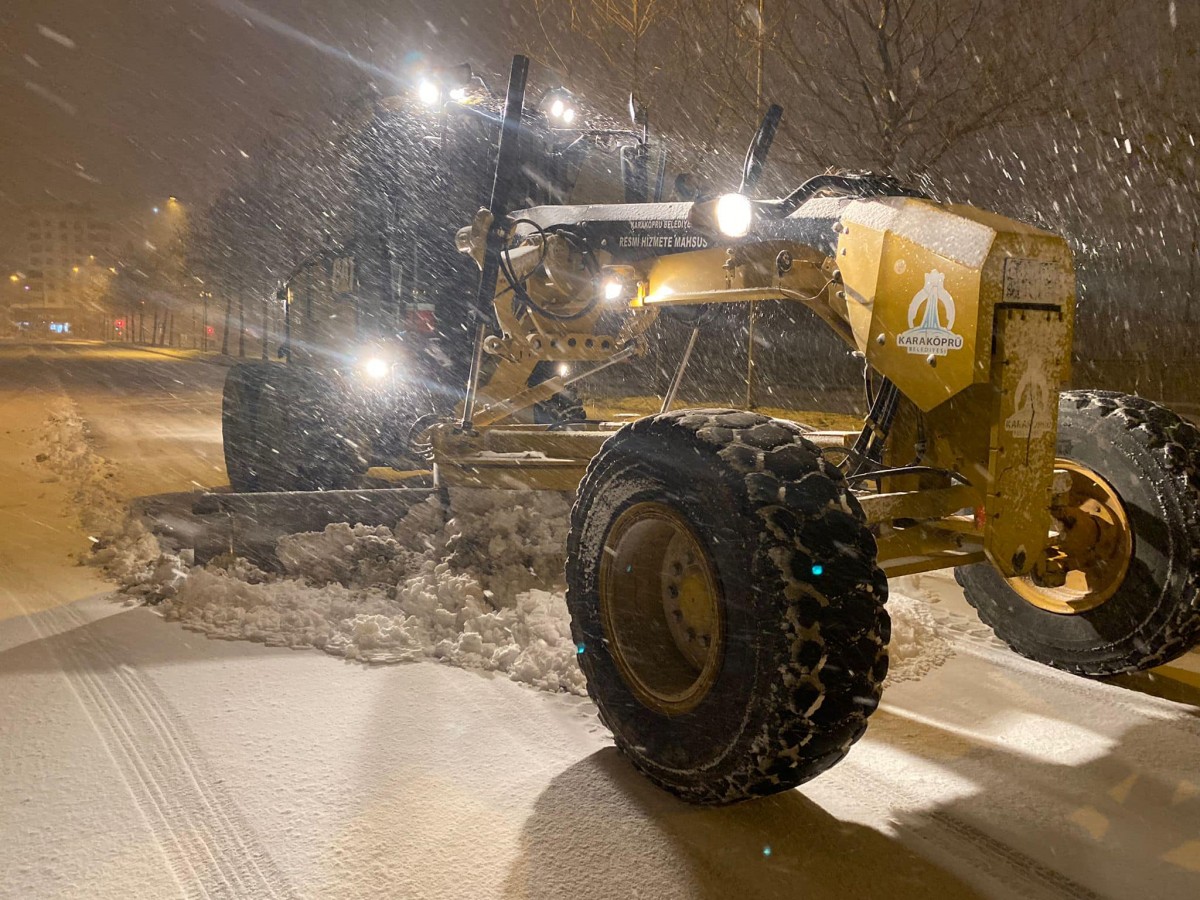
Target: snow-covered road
(140, 759)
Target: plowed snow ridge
(481, 589)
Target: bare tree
(895, 85)
(582, 37)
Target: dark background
(124, 103)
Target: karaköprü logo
(931, 337)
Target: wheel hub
(1091, 549)
(660, 605)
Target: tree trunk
(266, 325)
(228, 322)
(241, 325)
(1191, 286)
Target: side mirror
(756, 156)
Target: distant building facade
(68, 248)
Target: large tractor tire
(1131, 535)
(726, 603)
(239, 431)
(284, 431)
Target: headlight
(559, 106)
(377, 368)
(429, 92)
(734, 215)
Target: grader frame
(966, 316)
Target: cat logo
(931, 337)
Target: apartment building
(68, 248)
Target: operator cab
(397, 287)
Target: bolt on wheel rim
(1094, 544)
(660, 606)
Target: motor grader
(727, 572)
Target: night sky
(124, 103)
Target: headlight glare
(429, 92)
(376, 367)
(735, 213)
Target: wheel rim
(1094, 545)
(661, 608)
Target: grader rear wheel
(1129, 541)
(1094, 546)
(283, 431)
(726, 603)
(239, 432)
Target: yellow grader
(727, 572)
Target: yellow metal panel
(860, 254)
(912, 272)
(1032, 352)
(927, 326)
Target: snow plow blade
(249, 524)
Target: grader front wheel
(1128, 540)
(726, 603)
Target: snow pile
(482, 589)
(917, 646)
(122, 546)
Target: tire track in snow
(1005, 865)
(210, 848)
(962, 634)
